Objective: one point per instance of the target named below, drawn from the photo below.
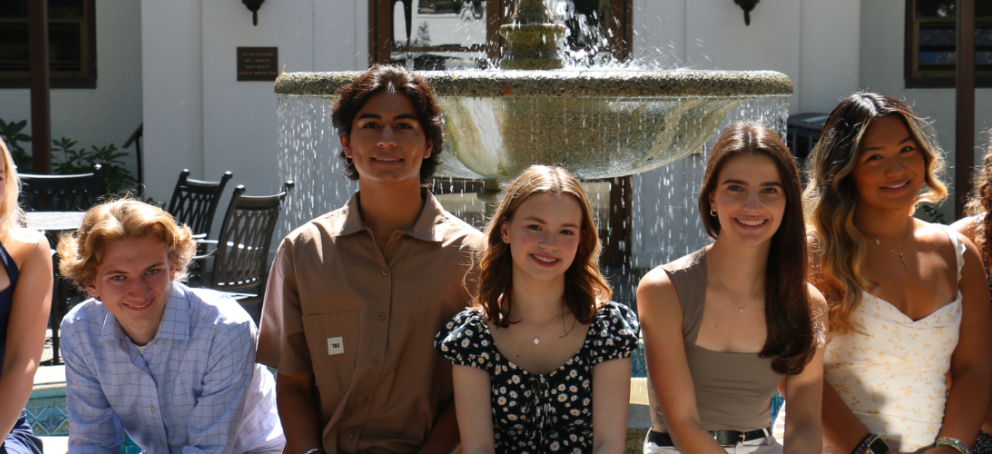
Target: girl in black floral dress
(543, 346)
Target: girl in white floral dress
(541, 364)
(909, 302)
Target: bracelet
(953, 443)
(315, 450)
(865, 442)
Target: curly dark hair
(981, 204)
(392, 79)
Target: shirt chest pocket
(333, 342)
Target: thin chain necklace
(537, 339)
(902, 258)
(727, 290)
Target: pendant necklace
(902, 258)
(727, 290)
(537, 339)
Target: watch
(878, 446)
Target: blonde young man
(173, 366)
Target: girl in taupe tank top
(723, 325)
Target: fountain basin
(595, 123)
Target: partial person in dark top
(725, 325)
(977, 227)
(26, 280)
(542, 361)
(355, 296)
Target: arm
(444, 434)
(803, 431)
(298, 412)
(971, 363)
(93, 426)
(610, 402)
(282, 344)
(218, 410)
(473, 404)
(661, 327)
(30, 305)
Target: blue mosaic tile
(638, 366)
(129, 447)
(48, 420)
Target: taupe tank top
(733, 390)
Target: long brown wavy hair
(585, 288)
(981, 204)
(792, 331)
(831, 197)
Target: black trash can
(803, 131)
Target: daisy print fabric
(541, 413)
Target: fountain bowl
(597, 123)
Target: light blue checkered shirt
(186, 394)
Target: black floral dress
(541, 413)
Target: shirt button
(351, 434)
(161, 443)
(375, 361)
(365, 399)
(385, 272)
(382, 316)
(152, 409)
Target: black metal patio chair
(76, 192)
(194, 202)
(241, 254)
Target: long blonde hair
(585, 287)
(831, 197)
(11, 214)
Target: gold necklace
(732, 300)
(902, 258)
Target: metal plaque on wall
(258, 63)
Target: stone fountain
(597, 123)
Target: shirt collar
(428, 227)
(175, 315)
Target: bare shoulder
(932, 235)
(656, 280)
(656, 293)
(966, 226)
(26, 244)
(817, 303)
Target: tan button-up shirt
(363, 323)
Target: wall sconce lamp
(747, 6)
(253, 6)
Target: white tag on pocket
(335, 345)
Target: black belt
(724, 437)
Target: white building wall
(210, 122)
(110, 112)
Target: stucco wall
(110, 112)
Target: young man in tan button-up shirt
(355, 297)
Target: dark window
(931, 43)
(71, 43)
(454, 34)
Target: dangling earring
(349, 161)
(712, 213)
